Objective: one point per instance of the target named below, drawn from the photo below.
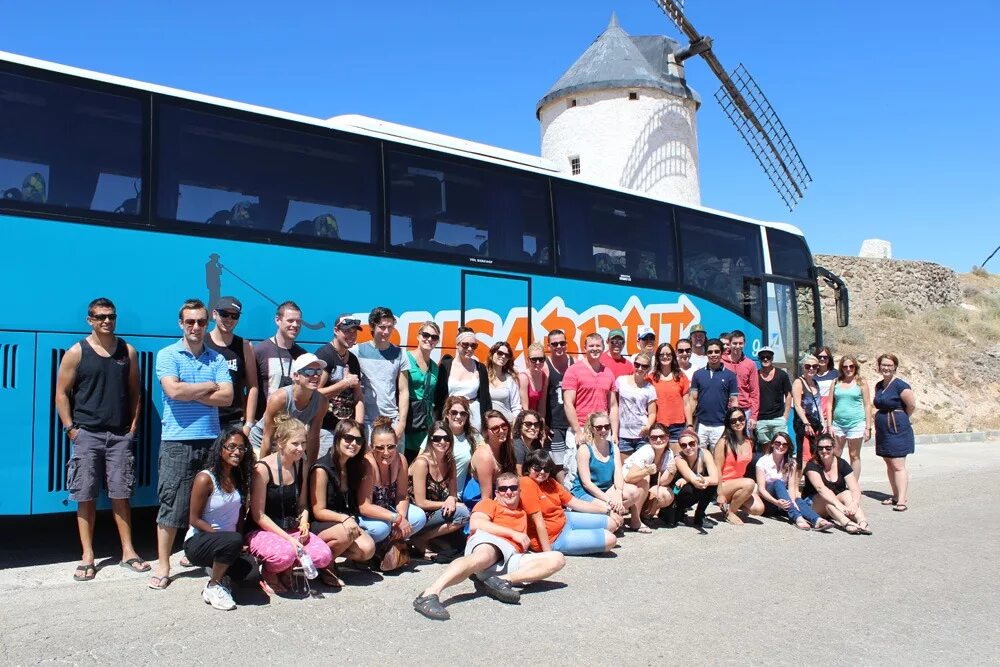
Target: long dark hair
(539, 458)
(790, 464)
(675, 367)
(468, 430)
(519, 424)
(355, 465)
(243, 473)
(449, 458)
(507, 458)
(508, 366)
(733, 437)
(824, 437)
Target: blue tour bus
(149, 195)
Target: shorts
(675, 430)
(101, 457)
(768, 428)
(179, 462)
(629, 445)
(508, 558)
(849, 431)
(557, 446)
(709, 435)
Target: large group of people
(278, 460)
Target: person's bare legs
(340, 543)
(122, 511)
(901, 475)
(633, 497)
(462, 568)
(164, 544)
(735, 493)
(825, 509)
(535, 567)
(890, 473)
(754, 506)
(838, 445)
(854, 451)
(86, 514)
(420, 541)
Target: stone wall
(915, 286)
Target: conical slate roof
(617, 60)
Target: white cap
(643, 332)
(306, 359)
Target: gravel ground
(922, 590)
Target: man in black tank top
(555, 413)
(97, 397)
(239, 356)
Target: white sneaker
(218, 597)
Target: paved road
(924, 589)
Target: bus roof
(375, 128)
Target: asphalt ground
(922, 590)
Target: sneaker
(498, 589)
(218, 597)
(431, 607)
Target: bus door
(498, 307)
(17, 397)
(790, 322)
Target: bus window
(219, 170)
(789, 254)
(613, 235)
(455, 208)
(718, 255)
(67, 147)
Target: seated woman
(652, 468)
(490, 458)
(588, 529)
(733, 454)
(599, 473)
(383, 502)
(777, 475)
(464, 437)
(832, 489)
(433, 488)
(529, 429)
(277, 508)
(218, 500)
(333, 494)
(697, 478)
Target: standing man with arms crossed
(239, 356)
(555, 410)
(713, 391)
(385, 384)
(589, 387)
(746, 378)
(275, 355)
(341, 379)
(97, 397)
(196, 383)
(775, 398)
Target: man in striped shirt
(196, 383)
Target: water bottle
(306, 561)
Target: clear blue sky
(892, 104)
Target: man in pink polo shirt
(747, 381)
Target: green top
(418, 380)
(848, 405)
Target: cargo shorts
(179, 462)
(101, 458)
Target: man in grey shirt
(384, 379)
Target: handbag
(418, 417)
(397, 556)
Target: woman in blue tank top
(599, 472)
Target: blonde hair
(588, 428)
(430, 324)
(285, 426)
(537, 346)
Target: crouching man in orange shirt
(495, 553)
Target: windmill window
(574, 165)
(570, 104)
(633, 96)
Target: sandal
(899, 508)
(431, 607)
(331, 577)
(158, 583)
(822, 525)
(85, 572)
(642, 529)
(802, 524)
(135, 564)
(889, 501)
(851, 528)
(863, 528)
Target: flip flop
(158, 583)
(899, 508)
(184, 562)
(135, 564)
(642, 529)
(849, 525)
(863, 528)
(889, 501)
(85, 572)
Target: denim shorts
(849, 431)
(629, 445)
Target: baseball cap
(645, 332)
(347, 321)
(765, 350)
(230, 303)
(616, 333)
(304, 360)
(697, 329)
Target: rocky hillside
(949, 347)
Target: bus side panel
(52, 449)
(17, 395)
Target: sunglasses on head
(348, 323)
(507, 488)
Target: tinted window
(718, 256)
(222, 171)
(789, 255)
(454, 208)
(614, 235)
(67, 147)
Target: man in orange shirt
(495, 553)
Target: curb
(974, 436)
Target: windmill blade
(762, 130)
(674, 9)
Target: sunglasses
(469, 346)
(109, 317)
(233, 447)
(348, 323)
(384, 448)
(738, 419)
(458, 413)
(501, 353)
(810, 367)
(602, 427)
(558, 344)
(641, 367)
(536, 360)
(440, 438)
(848, 367)
(825, 448)
(200, 322)
(666, 355)
(539, 470)
(688, 444)
(507, 488)
(229, 315)
(311, 372)
(780, 443)
(713, 352)
(527, 424)
(351, 439)
(657, 438)
(433, 337)
(684, 350)
(765, 357)
(822, 356)
(498, 428)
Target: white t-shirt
(633, 406)
(698, 361)
(645, 456)
(771, 472)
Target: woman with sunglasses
(778, 485)
(434, 489)
(672, 387)
(529, 430)
(849, 412)
(733, 454)
(588, 529)
(808, 420)
(599, 472)
(636, 406)
(300, 400)
(826, 375)
(696, 482)
(534, 382)
(218, 504)
(895, 402)
(383, 502)
(490, 458)
(423, 385)
(832, 489)
(465, 438)
(505, 394)
(334, 482)
(651, 468)
(463, 375)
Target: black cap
(230, 303)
